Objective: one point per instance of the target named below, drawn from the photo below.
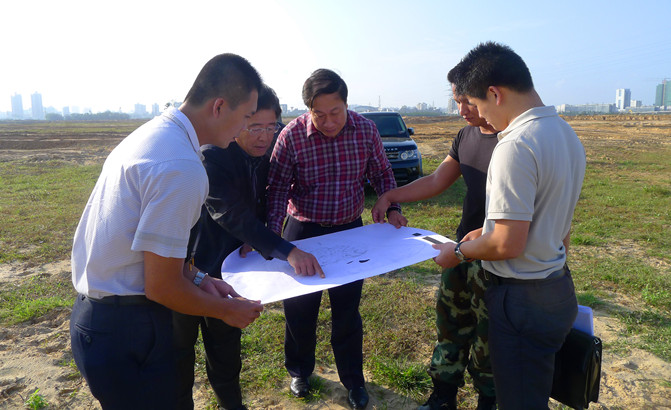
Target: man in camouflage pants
(460, 309)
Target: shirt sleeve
(454, 150)
(379, 171)
(171, 195)
(234, 210)
(513, 179)
(280, 176)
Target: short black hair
(268, 100)
(323, 81)
(453, 75)
(226, 76)
(491, 64)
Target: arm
(232, 205)
(166, 283)
(507, 241)
(423, 188)
(567, 241)
(280, 175)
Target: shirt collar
(182, 121)
(528, 115)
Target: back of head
(323, 81)
(491, 64)
(226, 76)
(268, 100)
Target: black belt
(130, 300)
(497, 280)
(326, 224)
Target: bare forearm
(506, 241)
(167, 282)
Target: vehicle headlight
(411, 154)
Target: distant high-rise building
(36, 106)
(622, 98)
(17, 106)
(452, 107)
(663, 94)
(66, 111)
(155, 111)
(140, 111)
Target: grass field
(620, 251)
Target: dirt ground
(37, 354)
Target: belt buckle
(326, 225)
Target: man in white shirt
(130, 246)
(533, 184)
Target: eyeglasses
(258, 131)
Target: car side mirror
(411, 131)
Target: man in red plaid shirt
(318, 171)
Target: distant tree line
(100, 116)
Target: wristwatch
(458, 253)
(198, 278)
(393, 208)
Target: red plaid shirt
(323, 178)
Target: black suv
(402, 152)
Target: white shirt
(535, 175)
(147, 198)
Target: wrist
(393, 208)
(198, 279)
(460, 255)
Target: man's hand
(380, 209)
(446, 258)
(240, 312)
(245, 249)
(397, 219)
(218, 287)
(305, 264)
(474, 234)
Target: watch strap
(198, 279)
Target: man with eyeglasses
(319, 167)
(233, 216)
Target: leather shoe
(486, 402)
(357, 398)
(299, 386)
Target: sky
(110, 55)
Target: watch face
(458, 253)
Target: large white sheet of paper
(344, 256)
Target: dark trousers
(125, 353)
(528, 322)
(301, 319)
(222, 352)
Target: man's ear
(218, 105)
(496, 93)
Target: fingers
(378, 217)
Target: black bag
(577, 370)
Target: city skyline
(149, 52)
(623, 100)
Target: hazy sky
(113, 54)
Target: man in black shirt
(233, 215)
(461, 316)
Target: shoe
(438, 402)
(299, 386)
(486, 403)
(443, 397)
(357, 398)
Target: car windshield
(390, 126)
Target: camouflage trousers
(462, 324)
